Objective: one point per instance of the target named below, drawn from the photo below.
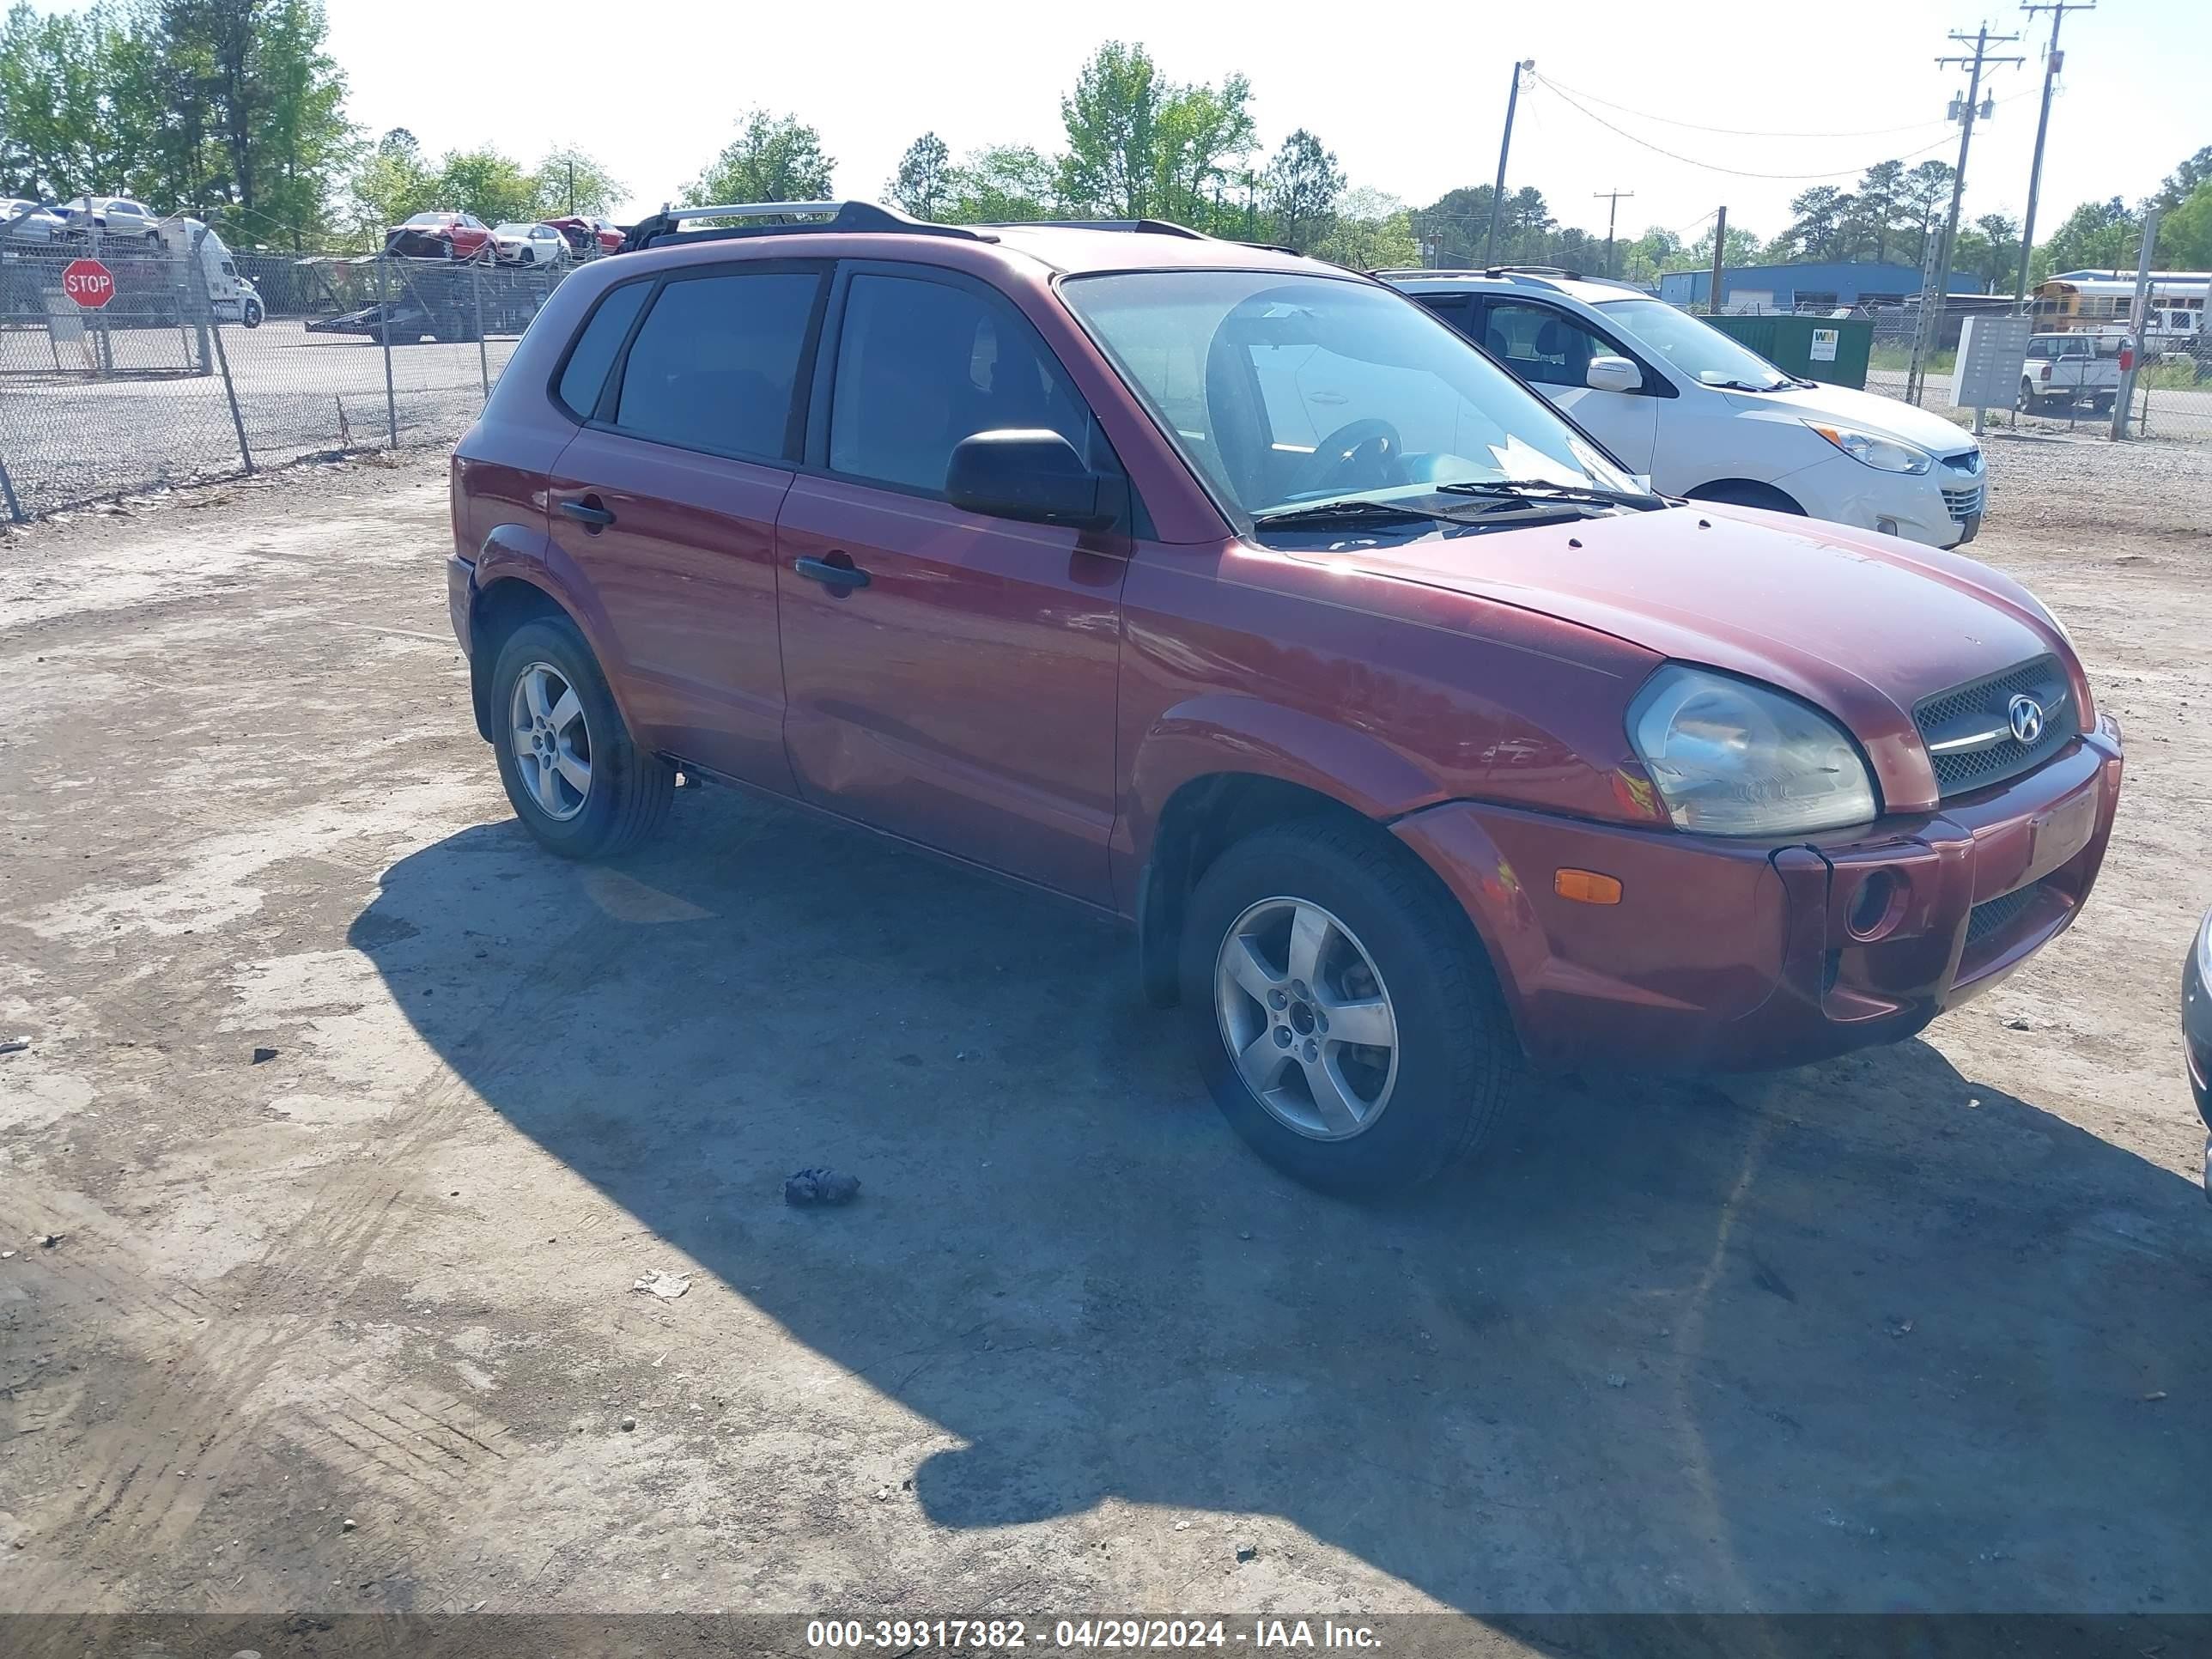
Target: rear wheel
(571, 771)
(1346, 1024)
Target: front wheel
(249, 314)
(571, 771)
(1346, 1023)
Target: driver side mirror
(1612, 375)
(1030, 474)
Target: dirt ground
(351, 1326)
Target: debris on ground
(664, 1285)
(346, 1525)
(2155, 1393)
(1900, 1326)
(825, 1186)
(2016, 1023)
(261, 1056)
(882, 1494)
(628, 1425)
(1246, 1550)
(13, 1046)
(1615, 1380)
(47, 1241)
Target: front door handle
(588, 511)
(839, 576)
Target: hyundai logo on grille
(2026, 717)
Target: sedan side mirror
(1026, 473)
(1612, 375)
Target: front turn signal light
(1586, 887)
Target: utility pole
(2053, 61)
(1612, 210)
(1935, 299)
(2136, 315)
(572, 186)
(1526, 66)
(1720, 255)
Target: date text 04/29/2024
(1004, 1635)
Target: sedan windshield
(1283, 391)
(1698, 348)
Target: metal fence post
(2137, 310)
(483, 353)
(384, 328)
(8, 491)
(214, 326)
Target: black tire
(2103, 402)
(628, 799)
(1457, 1054)
(2026, 401)
(1746, 494)
(250, 313)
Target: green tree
(1004, 184)
(1994, 255)
(1368, 231)
(1651, 256)
(1743, 249)
(1201, 137)
(568, 180)
(2095, 236)
(1112, 119)
(1924, 202)
(390, 183)
(62, 133)
(1300, 189)
(1820, 227)
(2185, 234)
(773, 158)
(492, 186)
(923, 184)
(2183, 181)
(1876, 205)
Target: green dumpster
(1830, 349)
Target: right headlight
(1730, 757)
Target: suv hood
(1839, 405)
(1863, 626)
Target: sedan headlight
(1872, 449)
(1731, 757)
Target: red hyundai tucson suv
(1233, 595)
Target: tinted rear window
(715, 365)
(595, 348)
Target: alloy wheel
(552, 741)
(1306, 1019)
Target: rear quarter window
(594, 353)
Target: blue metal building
(1804, 287)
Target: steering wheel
(1367, 454)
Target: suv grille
(1995, 915)
(1963, 489)
(1968, 729)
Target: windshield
(1281, 390)
(1698, 348)
(427, 219)
(513, 230)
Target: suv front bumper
(1724, 956)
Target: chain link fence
(128, 367)
(2173, 390)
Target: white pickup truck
(2062, 369)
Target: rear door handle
(589, 511)
(828, 574)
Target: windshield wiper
(1346, 511)
(1746, 386)
(1541, 490)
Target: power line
(1741, 172)
(1741, 132)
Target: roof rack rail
(1487, 270)
(1154, 226)
(667, 225)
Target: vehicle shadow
(1870, 1336)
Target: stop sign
(88, 283)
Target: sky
(1410, 100)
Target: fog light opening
(1875, 907)
(1887, 526)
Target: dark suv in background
(1233, 595)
